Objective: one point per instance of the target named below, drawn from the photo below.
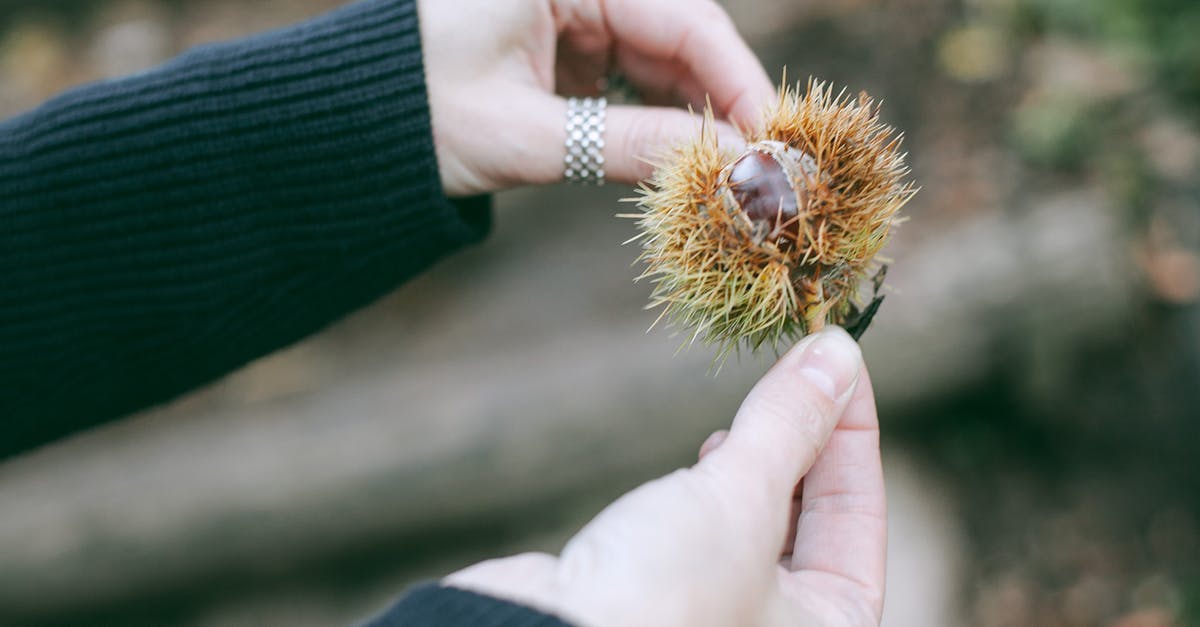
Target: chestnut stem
(814, 314)
(814, 318)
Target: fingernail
(831, 361)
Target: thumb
(637, 134)
(790, 414)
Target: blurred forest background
(1038, 367)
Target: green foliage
(1162, 36)
(1055, 131)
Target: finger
(637, 135)
(789, 415)
(712, 442)
(700, 35)
(842, 524)
(660, 82)
(633, 135)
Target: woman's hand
(493, 70)
(733, 540)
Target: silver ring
(584, 162)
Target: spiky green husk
(709, 272)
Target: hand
(712, 544)
(493, 69)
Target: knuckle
(800, 416)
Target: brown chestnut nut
(769, 242)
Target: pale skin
(783, 519)
(502, 66)
(734, 540)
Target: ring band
(585, 140)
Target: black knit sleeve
(159, 231)
(431, 605)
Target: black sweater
(159, 231)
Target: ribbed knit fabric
(431, 605)
(159, 231)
